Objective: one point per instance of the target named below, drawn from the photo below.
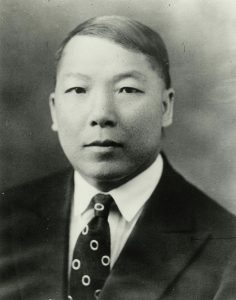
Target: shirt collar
(129, 197)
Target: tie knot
(102, 205)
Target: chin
(104, 172)
(104, 175)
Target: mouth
(104, 144)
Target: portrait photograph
(117, 150)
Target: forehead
(89, 54)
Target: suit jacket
(227, 289)
(178, 249)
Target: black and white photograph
(118, 150)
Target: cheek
(68, 133)
(145, 122)
(65, 126)
(68, 118)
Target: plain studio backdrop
(201, 39)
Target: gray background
(201, 39)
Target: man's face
(109, 108)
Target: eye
(77, 90)
(129, 90)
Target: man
(159, 237)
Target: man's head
(112, 99)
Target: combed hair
(128, 33)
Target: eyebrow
(130, 74)
(76, 74)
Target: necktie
(91, 258)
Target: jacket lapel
(41, 255)
(161, 246)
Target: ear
(53, 111)
(168, 107)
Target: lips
(105, 143)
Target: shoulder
(43, 182)
(28, 210)
(206, 212)
(31, 194)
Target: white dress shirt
(129, 198)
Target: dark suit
(178, 249)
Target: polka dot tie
(91, 258)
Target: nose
(103, 112)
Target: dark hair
(130, 34)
